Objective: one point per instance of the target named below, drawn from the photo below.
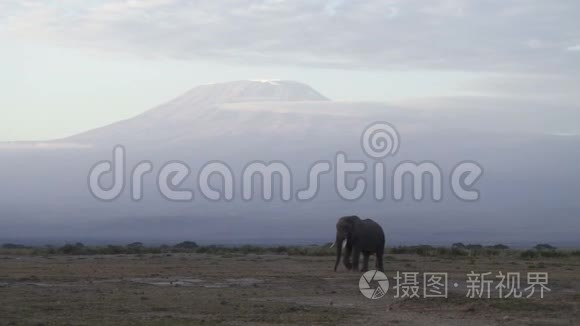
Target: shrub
(529, 254)
(499, 247)
(280, 249)
(114, 250)
(73, 249)
(458, 245)
(544, 246)
(423, 250)
(297, 251)
(474, 246)
(442, 251)
(398, 250)
(320, 251)
(249, 249)
(553, 254)
(186, 245)
(490, 252)
(13, 246)
(458, 251)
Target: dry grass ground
(238, 289)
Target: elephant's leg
(355, 257)
(365, 266)
(379, 262)
(347, 254)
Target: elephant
(362, 236)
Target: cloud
(498, 36)
(537, 44)
(42, 145)
(554, 89)
(445, 8)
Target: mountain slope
(185, 115)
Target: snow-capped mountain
(192, 115)
(530, 168)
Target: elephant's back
(374, 232)
(373, 225)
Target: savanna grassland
(134, 285)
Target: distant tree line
(456, 250)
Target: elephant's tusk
(343, 244)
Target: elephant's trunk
(338, 244)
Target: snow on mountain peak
(268, 81)
(253, 91)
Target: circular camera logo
(364, 284)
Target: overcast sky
(70, 65)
